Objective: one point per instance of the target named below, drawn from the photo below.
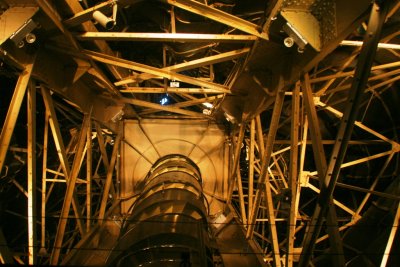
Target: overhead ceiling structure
(276, 123)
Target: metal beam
(195, 101)
(13, 111)
(5, 253)
(110, 172)
(251, 165)
(363, 69)
(44, 183)
(188, 65)
(146, 104)
(320, 162)
(89, 173)
(293, 174)
(218, 16)
(263, 182)
(163, 37)
(235, 164)
(76, 165)
(162, 90)
(390, 241)
(153, 70)
(31, 121)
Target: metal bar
(358, 124)
(214, 59)
(362, 160)
(263, 182)
(320, 162)
(393, 232)
(5, 253)
(163, 37)
(110, 172)
(31, 121)
(235, 164)
(266, 159)
(188, 103)
(351, 73)
(335, 202)
(89, 173)
(293, 174)
(372, 192)
(44, 183)
(219, 16)
(251, 164)
(70, 192)
(380, 174)
(153, 70)
(377, 18)
(87, 14)
(13, 111)
(260, 138)
(162, 90)
(146, 104)
(241, 196)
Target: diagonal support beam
(363, 69)
(5, 252)
(392, 235)
(76, 166)
(263, 182)
(218, 16)
(320, 162)
(235, 164)
(146, 104)
(189, 65)
(110, 60)
(110, 172)
(187, 103)
(13, 111)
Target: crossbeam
(163, 37)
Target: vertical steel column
(293, 173)
(89, 172)
(362, 72)
(44, 182)
(31, 116)
(251, 165)
(13, 111)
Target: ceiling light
(208, 105)
(104, 21)
(30, 38)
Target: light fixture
(106, 22)
(30, 38)
(164, 100)
(288, 42)
(294, 37)
(174, 84)
(208, 105)
(24, 33)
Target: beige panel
(201, 141)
